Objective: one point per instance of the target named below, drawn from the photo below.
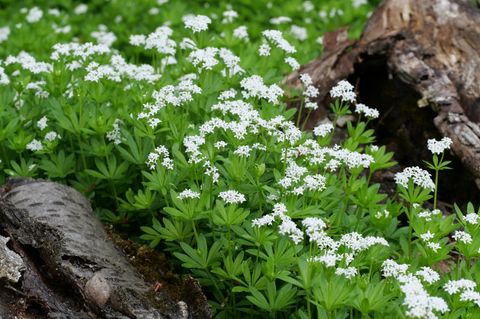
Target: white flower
(80, 9)
(280, 20)
(462, 236)
(308, 6)
(314, 182)
(427, 236)
(115, 135)
(232, 197)
(348, 272)
(358, 3)
(34, 15)
(264, 220)
(438, 147)
(434, 246)
(276, 37)
(264, 50)
(428, 275)
(241, 33)
(227, 95)
(471, 218)
(51, 136)
(288, 227)
(42, 123)
(253, 86)
(323, 130)
(369, 112)
(243, 151)
(456, 286)
(279, 209)
(4, 33)
(35, 145)
(292, 62)
(188, 194)
(299, 33)
(196, 23)
(220, 144)
(344, 91)
(390, 268)
(153, 157)
(420, 177)
(229, 16)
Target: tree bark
(69, 268)
(428, 50)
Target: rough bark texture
(428, 50)
(70, 267)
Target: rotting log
(69, 267)
(429, 50)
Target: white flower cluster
(42, 123)
(310, 92)
(82, 8)
(465, 288)
(419, 303)
(292, 62)
(153, 157)
(159, 40)
(34, 146)
(343, 250)
(264, 50)
(419, 176)
(34, 15)
(254, 86)
(229, 16)
(28, 62)
(471, 218)
(438, 147)
(205, 59)
(287, 226)
(427, 238)
(280, 20)
(115, 135)
(358, 3)
(77, 50)
(299, 33)
(40, 92)
(170, 94)
(294, 181)
(368, 111)
(4, 33)
(118, 70)
(103, 36)
(344, 91)
(232, 197)
(323, 130)
(315, 227)
(196, 23)
(4, 79)
(276, 37)
(188, 194)
(462, 237)
(428, 215)
(241, 33)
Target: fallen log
(412, 54)
(61, 263)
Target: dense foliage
(171, 117)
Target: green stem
(299, 116)
(306, 119)
(195, 231)
(435, 191)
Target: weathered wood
(430, 46)
(70, 267)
